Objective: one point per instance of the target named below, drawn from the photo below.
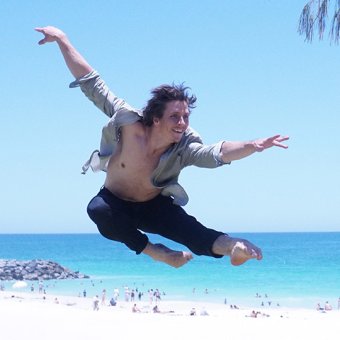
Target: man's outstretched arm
(76, 63)
(232, 151)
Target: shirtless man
(143, 154)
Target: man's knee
(96, 209)
(100, 213)
(116, 225)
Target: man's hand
(74, 60)
(232, 151)
(262, 144)
(51, 34)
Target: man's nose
(181, 121)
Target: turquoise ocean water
(298, 269)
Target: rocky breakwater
(36, 270)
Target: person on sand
(135, 309)
(204, 312)
(328, 306)
(318, 307)
(155, 309)
(143, 153)
(96, 303)
(253, 314)
(192, 311)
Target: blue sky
(254, 76)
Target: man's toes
(259, 255)
(188, 256)
(242, 253)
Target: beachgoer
(151, 296)
(41, 287)
(193, 311)
(127, 294)
(103, 297)
(140, 296)
(116, 294)
(135, 309)
(143, 153)
(157, 295)
(253, 314)
(96, 303)
(204, 312)
(155, 309)
(328, 306)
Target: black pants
(122, 221)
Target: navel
(122, 165)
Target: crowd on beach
(103, 309)
(327, 307)
(145, 301)
(130, 295)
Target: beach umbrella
(19, 284)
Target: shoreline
(93, 287)
(291, 275)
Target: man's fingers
(282, 138)
(276, 140)
(41, 30)
(275, 137)
(280, 145)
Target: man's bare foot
(174, 258)
(243, 251)
(238, 249)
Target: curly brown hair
(162, 95)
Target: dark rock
(35, 270)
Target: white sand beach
(29, 316)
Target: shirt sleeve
(98, 92)
(203, 156)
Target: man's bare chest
(134, 158)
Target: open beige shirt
(189, 151)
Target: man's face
(175, 120)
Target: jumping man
(143, 153)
